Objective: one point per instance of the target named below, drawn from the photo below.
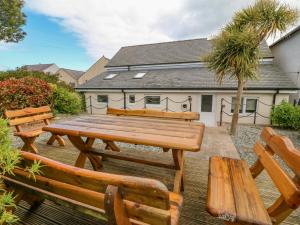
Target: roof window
(139, 75)
(110, 76)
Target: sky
(75, 33)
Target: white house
(172, 76)
(46, 68)
(286, 51)
(70, 77)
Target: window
(251, 104)
(233, 103)
(152, 100)
(139, 75)
(110, 76)
(102, 98)
(248, 104)
(131, 99)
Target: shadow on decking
(196, 169)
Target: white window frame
(244, 104)
(130, 103)
(153, 105)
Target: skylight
(139, 75)
(110, 76)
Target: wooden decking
(216, 142)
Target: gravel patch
(247, 135)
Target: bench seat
(29, 133)
(232, 193)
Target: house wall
(116, 101)
(263, 107)
(287, 55)
(53, 69)
(67, 78)
(94, 70)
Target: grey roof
(168, 52)
(286, 36)
(73, 73)
(271, 77)
(38, 67)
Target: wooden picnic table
(168, 134)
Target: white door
(207, 110)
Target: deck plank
(196, 168)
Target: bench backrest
(154, 113)
(28, 115)
(282, 147)
(145, 200)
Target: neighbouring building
(286, 51)
(172, 76)
(46, 68)
(96, 69)
(70, 77)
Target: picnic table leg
(178, 158)
(111, 145)
(84, 148)
(29, 145)
(57, 138)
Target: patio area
(216, 142)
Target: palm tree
(235, 51)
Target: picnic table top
(164, 133)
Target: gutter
(204, 88)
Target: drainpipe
(124, 96)
(274, 96)
(274, 101)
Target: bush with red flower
(24, 92)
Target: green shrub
(21, 73)
(9, 158)
(65, 101)
(286, 115)
(24, 92)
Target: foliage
(65, 101)
(235, 51)
(21, 73)
(24, 92)
(11, 20)
(9, 158)
(286, 115)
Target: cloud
(102, 27)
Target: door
(207, 110)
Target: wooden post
(124, 96)
(190, 101)
(221, 112)
(145, 103)
(167, 104)
(91, 107)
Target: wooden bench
(188, 116)
(122, 200)
(232, 192)
(28, 123)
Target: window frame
(244, 105)
(152, 105)
(107, 97)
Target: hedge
(24, 92)
(286, 115)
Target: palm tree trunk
(235, 116)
